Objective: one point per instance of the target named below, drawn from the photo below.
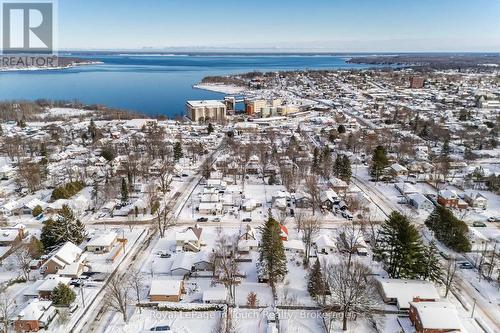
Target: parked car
(465, 265)
(77, 282)
(216, 219)
(347, 215)
(160, 328)
(202, 219)
(165, 255)
(478, 224)
(247, 219)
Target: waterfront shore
(34, 68)
(221, 88)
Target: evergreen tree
(124, 190)
(316, 284)
(63, 295)
(449, 229)
(37, 210)
(326, 163)
(345, 169)
(431, 269)
(316, 160)
(210, 128)
(272, 252)
(35, 248)
(65, 228)
(399, 247)
(341, 129)
(272, 179)
(178, 154)
(337, 166)
(379, 162)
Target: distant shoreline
(72, 64)
(221, 88)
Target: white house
(294, 246)
(102, 243)
(215, 296)
(401, 292)
(475, 199)
(419, 201)
(325, 245)
(182, 264)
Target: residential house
(247, 245)
(182, 264)
(397, 170)
(215, 296)
(69, 260)
(434, 317)
(48, 285)
(325, 245)
(189, 239)
(203, 261)
(34, 316)
(449, 198)
(102, 243)
(419, 201)
(401, 292)
(166, 290)
(302, 200)
(475, 199)
(338, 185)
(328, 198)
(248, 234)
(294, 246)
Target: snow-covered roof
(8, 235)
(206, 103)
(294, 244)
(165, 287)
(186, 236)
(182, 261)
(67, 253)
(34, 310)
(325, 241)
(51, 281)
(404, 291)
(215, 295)
(437, 315)
(448, 194)
(104, 240)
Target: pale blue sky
(329, 25)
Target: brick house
(34, 316)
(434, 317)
(166, 290)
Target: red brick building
(434, 317)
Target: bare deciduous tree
(136, 281)
(449, 275)
(310, 227)
(353, 291)
(226, 265)
(313, 190)
(7, 308)
(22, 258)
(118, 295)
